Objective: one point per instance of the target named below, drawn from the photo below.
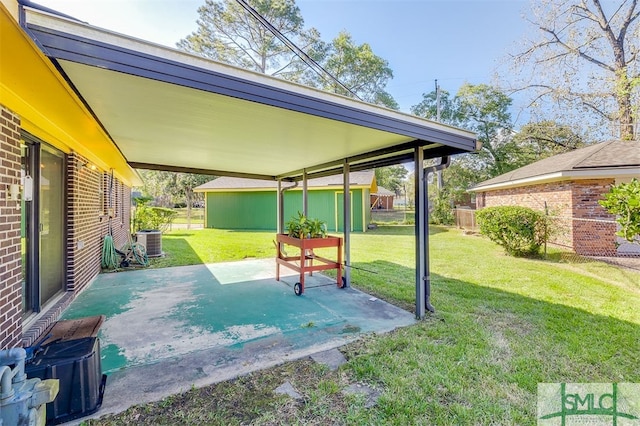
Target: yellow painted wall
(48, 108)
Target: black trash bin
(76, 363)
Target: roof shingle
(606, 155)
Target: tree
(359, 69)
(227, 33)
(585, 60)
(460, 176)
(449, 108)
(623, 200)
(486, 111)
(391, 177)
(168, 188)
(538, 140)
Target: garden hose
(140, 254)
(109, 256)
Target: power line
(315, 66)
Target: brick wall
(10, 243)
(580, 223)
(84, 238)
(556, 195)
(593, 228)
(117, 207)
(96, 207)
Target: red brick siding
(556, 195)
(585, 196)
(580, 223)
(594, 229)
(10, 242)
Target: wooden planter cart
(304, 262)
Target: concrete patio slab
(168, 330)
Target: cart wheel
(344, 282)
(297, 289)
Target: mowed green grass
(502, 325)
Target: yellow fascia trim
(32, 88)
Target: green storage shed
(237, 203)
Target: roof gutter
(281, 205)
(444, 163)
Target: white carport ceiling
(166, 109)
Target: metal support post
(425, 230)
(347, 224)
(280, 208)
(420, 224)
(305, 194)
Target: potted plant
(318, 228)
(302, 227)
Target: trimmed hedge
(521, 231)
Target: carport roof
(169, 110)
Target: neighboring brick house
(63, 187)
(568, 186)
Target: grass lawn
(393, 217)
(502, 326)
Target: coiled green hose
(109, 256)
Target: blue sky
(454, 41)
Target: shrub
(153, 218)
(623, 200)
(146, 218)
(442, 213)
(521, 231)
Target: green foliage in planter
(521, 231)
(623, 200)
(302, 227)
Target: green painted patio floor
(223, 309)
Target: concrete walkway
(170, 329)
